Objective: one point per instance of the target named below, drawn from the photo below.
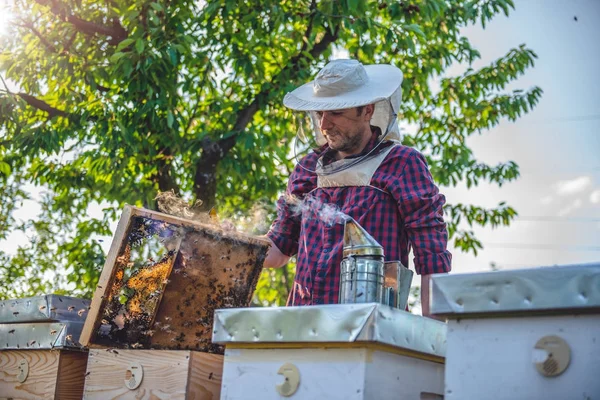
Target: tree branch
(42, 105)
(246, 115)
(213, 152)
(116, 32)
(45, 42)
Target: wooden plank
(197, 226)
(206, 374)
(165, 374)
(338, 345)
(41, 381)
(71, 375)
(94, 315)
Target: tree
(117, 100)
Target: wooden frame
(207, 268)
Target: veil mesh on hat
(384, 114)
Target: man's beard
(348, 143)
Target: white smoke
(310, 206)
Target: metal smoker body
(365, 276)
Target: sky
(557, 145)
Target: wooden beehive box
(153, 374)
(164, 277)
(40, 357)
(51, 374)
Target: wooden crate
(52, 374)
(166, 374)
(164, 277)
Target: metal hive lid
(41, 336)
(50, 307)
(557, 289)
(332, 323)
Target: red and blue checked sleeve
(285, 230)
(420, 205)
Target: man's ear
(369, 110)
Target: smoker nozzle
(357, 241)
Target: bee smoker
(365, 276)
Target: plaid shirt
(402, 208)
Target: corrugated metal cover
(41, 336)
(558, 289)
(331, 323)
(48, 307)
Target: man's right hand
(275, 258)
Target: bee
(166, 328)
(112, 351)
(87, 373)
(42, 308)
(69, 337)
(148, 333)
(137, 345)
(11, 331)
(167, 318)
(16, 313)
(31, 343)
(80, 312)
(71, 308)
(105, 322)
(53, 309)
(53, 331)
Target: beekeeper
(360, 169)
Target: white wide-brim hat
(345, 84)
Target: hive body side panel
(71, 375)
(333, 374)
(206, 373)
(41, 380)
(394, 376)
(493, 358)
(165, 374)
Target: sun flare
(6, 16)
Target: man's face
(346, 131)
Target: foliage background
(117, 100)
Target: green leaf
(139, 46)
(4, 168)
(116, 57)
(124, 43)
(170, 119)
(415, 28)
(157, 6)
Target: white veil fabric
(343, 84)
